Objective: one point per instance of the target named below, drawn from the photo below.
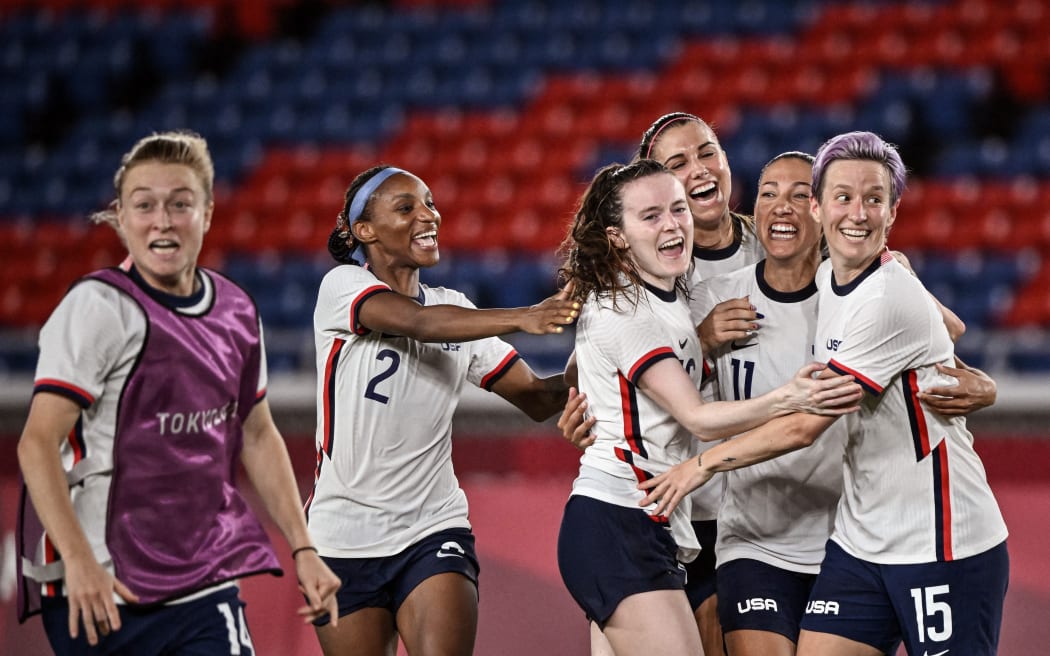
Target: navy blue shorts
(700, 582)
(760, 597)
(213, 624)
(934, 608)
(607, 553)
(386, 582)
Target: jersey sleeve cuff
(648, 360)
(501, 369)
(870, 386)
(62, 388)
(355, 307)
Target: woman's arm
(973, 391)
(89, 587)
(267, 464)
(539, 398)
(666, 383)
(772, 439)
(399, 315)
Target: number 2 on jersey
(395, 362)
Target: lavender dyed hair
(863, 146)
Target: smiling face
(691, 151)
(782, 210)
(163, 215)
(856, 213)
(656, 228)
(403, 224)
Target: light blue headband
(366, 191)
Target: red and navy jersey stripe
(501, 369)
(329, 396)
(916, 419)
(632, 430)
(938, 456)
(870, 386)
(355, 307)
(942, 502)
(640, 474)
(62, 388)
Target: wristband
(296, 552)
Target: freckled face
(657, 228)
(163, 215)
(692, 152)
(856, 213)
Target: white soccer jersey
(384, 476)
(710, 262)
(914, 489)
(781, 511)
(88, 348)
(635, 438)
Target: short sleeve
(339, 299)
(882, 339)
(84, 340)
(632, 340)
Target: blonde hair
(174, 147)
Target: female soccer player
(150, 389)
(393, 355)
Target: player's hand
(319, 585)
(669, 488)
(728, 321)
(572, 422)
(552, 314)
(830, 396)
(973, 391)
(89, 591)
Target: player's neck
(791, 274)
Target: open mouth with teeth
(854, 234)
(163, 246)
(704, 192)
(782, 231)
(672, 248)
(426, 239)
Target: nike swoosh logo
(446, 554)
(940, 653)
(682, 343)
(736, 347)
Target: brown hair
(593, 262)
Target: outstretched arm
(89, 587)
(768, 441)
(267, 464)
(666, 383)
(399, 315)
(539, 398)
